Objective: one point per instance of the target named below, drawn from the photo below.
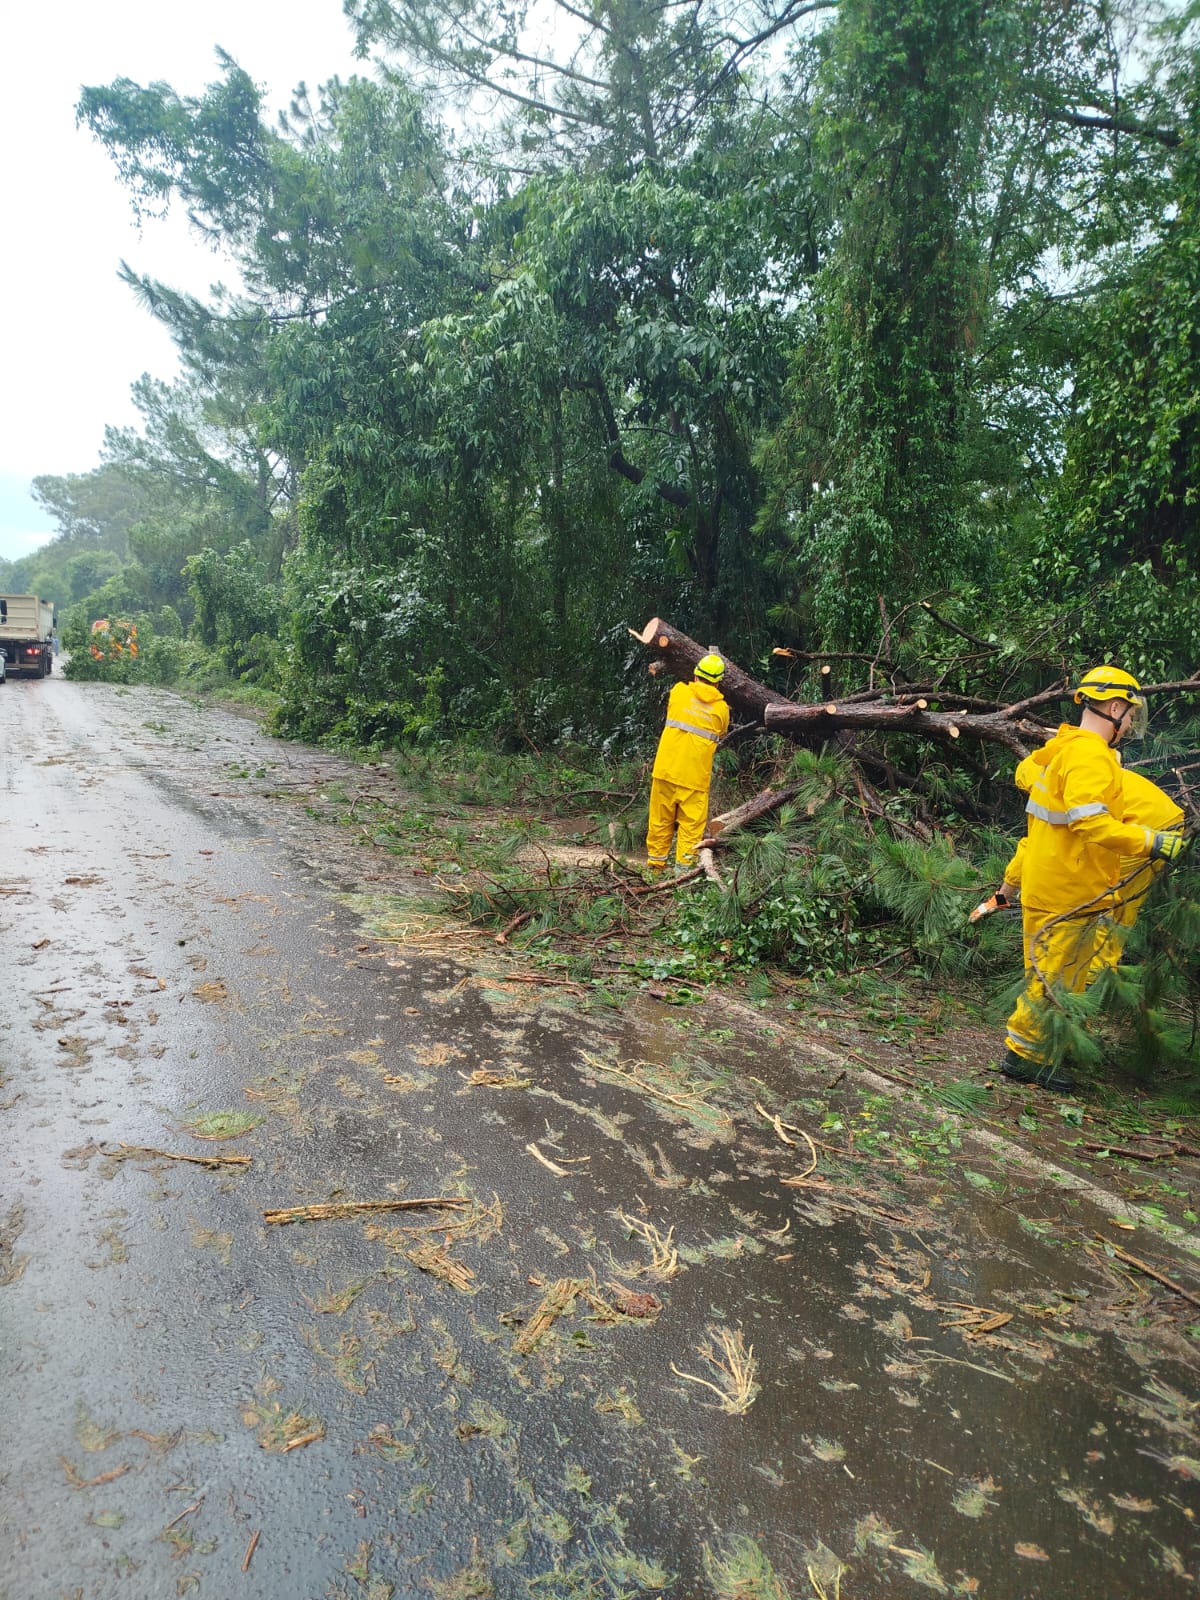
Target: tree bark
(749, 811)
(1020, 735)
(675, 653)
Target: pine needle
(688, 1102)
(783, 1128)
(437, 1261)
(483, 1078)
(819, 1589)
(558, 1299)
(961, 1095)
(664, 1257)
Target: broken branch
(131, 1152)
(1007, 726)
(350, 1208)
(550, 1166)
(250, 1549)
(1151, 1272)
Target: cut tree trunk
(749, 811)
(888, 712)
(995, 727)
(675, 653)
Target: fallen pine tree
(844, 880)
(923, 710)
(929, 710)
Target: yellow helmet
(1103, 684)
(710, 669)
(1108, 683)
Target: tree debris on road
(136, 1152)
(332, 1210)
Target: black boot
(1044, 1076)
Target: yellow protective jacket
(1077, 829)
(697, 721)
(1146, 803)
(1141, 802)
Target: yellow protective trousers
(1062, 952)
(679, 811)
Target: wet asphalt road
(632, 1361)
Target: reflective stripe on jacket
(697, 721)
(1141, 802)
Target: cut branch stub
(749, 811)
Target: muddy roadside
(727, 1297)
(908, 1082)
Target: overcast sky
(74, 340)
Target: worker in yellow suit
(697, 721)
(1141, 802)
(1071, 864)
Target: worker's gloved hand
(1166, 846)
(996, 902)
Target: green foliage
(160, 659)
(637, 89)
(237, 611)
(95, 510)
(903, 313)
(878, 515)
(407, 651)
(823, 894)
(1121, 542)
(800, 927)
(743, 1571)
(926, 885)
(776, 354)
(964, 1096)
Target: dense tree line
(775, 317)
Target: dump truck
(26, 635)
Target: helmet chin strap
(1116, 722)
